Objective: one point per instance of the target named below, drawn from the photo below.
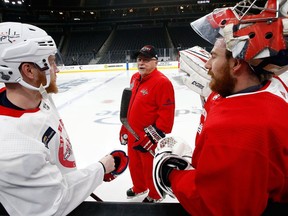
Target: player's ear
(26, 70)
(236, 65)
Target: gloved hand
(144, 145)
(192, 65)
(121, 163)
(171, 153)
(123, 136)
(151, 138)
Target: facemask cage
(250, 31)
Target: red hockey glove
(121, 163)
(123, 136)
(151, 138)
(144, 145)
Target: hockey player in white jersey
(38, 174)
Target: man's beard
(225, 84)
(52, 88)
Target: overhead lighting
(203, 1)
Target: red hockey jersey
(240, 157)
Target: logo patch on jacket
(65, 154)
(168, 102)
(144, 91)
(47, 136)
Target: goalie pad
(171, 153)
(121, 163)
(196, 76)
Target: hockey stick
(94, 196)
(126, 96)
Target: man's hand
(151, 138)
(171, 153)
(121, 161)
(123, 136)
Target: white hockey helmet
(21, 43)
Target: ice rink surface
(89, 104)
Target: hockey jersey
(241, 155)
(38, 174)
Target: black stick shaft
(94, 196)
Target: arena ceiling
(63, 12)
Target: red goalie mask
(251, 32)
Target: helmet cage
(250, 31)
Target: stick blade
(126, 96)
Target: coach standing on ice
(38, 174)
(152, 106)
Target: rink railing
(114, 67)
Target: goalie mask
(252, 32)
(21, 43)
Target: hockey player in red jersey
(152, 109)
(240, 160)
(38, 173)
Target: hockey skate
(151, 200)
(131, 194)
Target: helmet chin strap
(48, 80)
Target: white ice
(89, 105)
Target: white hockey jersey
(38, 174)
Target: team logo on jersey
(48, 135)
(144, 91)
(168, 102)
(215, 97)
(65, 153)
(46, 106)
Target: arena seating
(86, 47)
(126, 41)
